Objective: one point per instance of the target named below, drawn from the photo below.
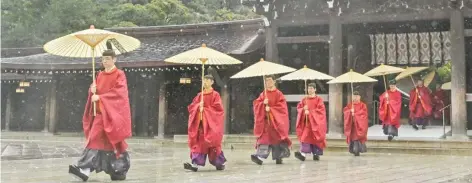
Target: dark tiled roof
(153, 50)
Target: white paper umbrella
(352, 77)
(91, 43)
(383, 70)
(306, 73)
(410, 71)
(263, 68)
(203, 56)
(446, 86)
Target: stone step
(414, 146)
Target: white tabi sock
(303, 154)
(262, 159)
(196, 166)
(85, 171)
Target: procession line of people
(107, 123)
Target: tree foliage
(444, 72)
(34, 22)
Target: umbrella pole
(201, 98)
(265, 97)
(385, 83)
(352, 103)
(352, 96)
(93, 78)
(414, 85)
(306, 97)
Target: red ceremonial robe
(420, 107)
(355, 127)
(390, 113)
(276, 129)
(439, 102)
(112, 125)
(312, 130)
(210, 134)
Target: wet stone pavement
(44, 161)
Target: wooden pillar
(226, 100)
(134, 101)
(8, 111)
(458, 88)
(335, 69)
(47, 112)
(145, 114)
(52, 108)
(162, 111)
(358, 59)
(271, 49)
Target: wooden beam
(379, 18)
(468, 32)
(15, 76)
(302, 39)
(321, 20)
(367, 18)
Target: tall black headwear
(109, 51)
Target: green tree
(444, 72)
(28, 23)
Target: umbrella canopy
(263, 68)
(90, 43)
(410, 71)
(446, 86)
(352, 77)
(203, 55)
(306, 73)
(428, 79)
(382, 70)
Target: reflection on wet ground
(163, 163)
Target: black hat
(355, 93)
(392, 82)
(109, 52)
(312, 85)
(208, 76)
(270, 76)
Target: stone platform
(432, 146)
(406, 132)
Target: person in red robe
(271, 124)
(390, 110)
(439, 102)
(420, 105)
(106, 131)
(205, 128)
(356, 125)
(311, 125)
